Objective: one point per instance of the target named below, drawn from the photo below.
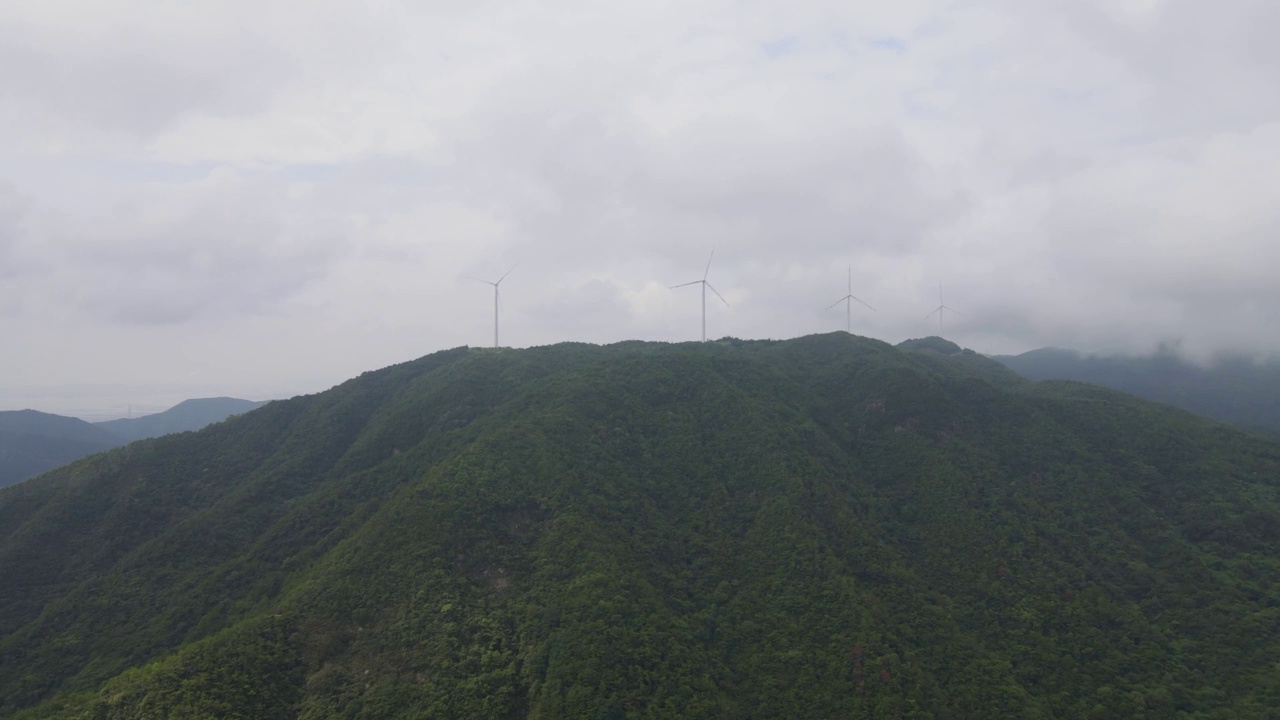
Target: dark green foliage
(946, 357)
(253, 672)
(823, 527)
(32, 442)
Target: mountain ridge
(32, 442)
(190, 414)
(1235, 390)
(827, 526)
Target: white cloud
(262, 192)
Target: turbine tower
(941, 307)
(705, 285)
(848, 305)
(495, 299)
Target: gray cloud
(136, 83)
(227, 192)
(228, 245)
(12, 211)
(1202, 68)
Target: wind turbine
(848, 304)
(705, 285)
(495, 299)
(941, 306)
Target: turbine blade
(486, 282)
(505, 274)
(935, 310)
(695, 282)
(708, 270)
(868, 306)
(952, 310)
(709, 286)
(846, 297)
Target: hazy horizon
(277, 198)
(102, 403)
(98, 403)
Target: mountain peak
(932, 343)
(820, 527)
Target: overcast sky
(265, 198)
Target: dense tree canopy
(820, 527)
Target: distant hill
(33, 442)
(186, 415)
(1236, 390)
(825, 527)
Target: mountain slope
(1232, 390)
(186, 415)
(823, 527)
(32, 442)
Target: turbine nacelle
(705, 285)
(939, 310)
(848, 304)
(495, 284)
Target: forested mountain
(186, 415)
(816, 528)
(1234, 390)
(34, 442)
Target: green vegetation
(1234, 390)
(34, 442)
(821, 527)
